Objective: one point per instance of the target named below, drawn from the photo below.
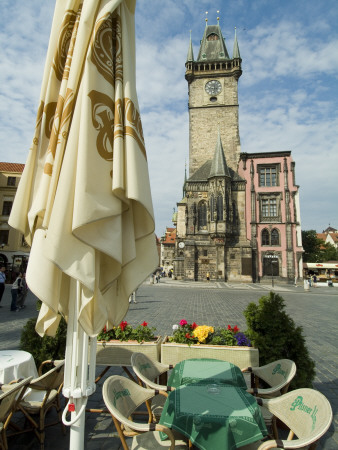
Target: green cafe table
(214, 416)
(204, 370)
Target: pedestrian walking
(22, 293)
(16, 288)
(2, 281)
(132, 298)
(208, 277)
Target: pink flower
(183, 322)
(144, 324)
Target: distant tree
(312, 246)
(329, 253)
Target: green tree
(312, 246)
(43, 348)
(276, 336)
(329, 253)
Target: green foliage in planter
(222, 336)
(43, 348)
(276, 336)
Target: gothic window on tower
(265, 237)
(202, 216)
(275, 237)
(212, 206)
(268, 175)
(219, 207)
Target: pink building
(272, 215)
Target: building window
(269, 207)
(268, 176)
(219, 206)
(265, 237)
(4, 237)
(11, 181)
(7, 208)
(212, 207)
(274, 237)
(205, 252)
(202, 216)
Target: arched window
(202, 215)
(219, 206)
(212, 207)
(265, 237)
(227, 206)
(274, 237)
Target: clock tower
(213, 99)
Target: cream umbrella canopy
(84, 201)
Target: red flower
(145, 324)
(123, 325)
(187, 336)
(229, 327)
(236, 329)
(104, 329)
(183, 322)
(193, 326)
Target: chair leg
(3, 440)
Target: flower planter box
(172, 353)
(118, 353)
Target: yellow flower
(202, 332)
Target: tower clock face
(213, 87)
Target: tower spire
(235, 53)
(190, 55)
(219, 167)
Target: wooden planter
(118, 353)
(172, 353)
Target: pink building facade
(272, 215)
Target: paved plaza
(217, 304)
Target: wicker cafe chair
(278, 375)
(44, 394)
(147, 371)
(122, 397)
(9, 398)
(306, 413)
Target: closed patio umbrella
(84, 202)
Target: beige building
(14, 251)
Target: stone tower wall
(206, 118)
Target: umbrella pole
(77, 384)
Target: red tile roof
(170, 236)
(11, 167)
(321, 236)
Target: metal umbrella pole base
(79, 381)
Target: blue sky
(288, 94)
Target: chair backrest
(306, 412)
(50, 380)
(278, 373)
(123, 396)
(148, 370)
(9, 399)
